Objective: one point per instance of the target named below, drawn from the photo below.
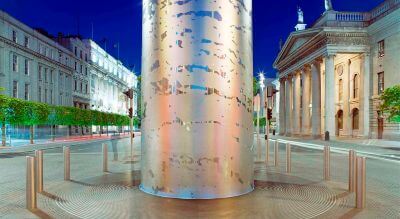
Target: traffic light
(269, 114)
(130, 113)
(129, 93)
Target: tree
(391, 103)
(3, 106)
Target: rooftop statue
(300, 16)
(328, 5)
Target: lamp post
(262, 86)
(129, 94)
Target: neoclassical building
(332, 74)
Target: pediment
(295, 41)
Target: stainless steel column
(288, 158)
(39, 170)
(197, 99)
(105, 158)
(67, 164)
(30, 183)
(327, 163)
(361, 182)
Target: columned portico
(306, 96)
(330, 95)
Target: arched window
(356, 118)
(340, 119)
(340, 90)
(356, 86)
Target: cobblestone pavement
(94, 194)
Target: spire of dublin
(197, 90)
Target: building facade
(32, 66)
(62, 70)
(332, 74)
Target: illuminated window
(26, 69)
(26, 41)
(381, 48)
(15, 63)
(15, 89)
(340, 119)
(355, 119)
(14, 36)
(26, 93)
(381, 82)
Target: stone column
(364, 112)
(316, 99)
(296, 104)
(288, 105)
(282, 110)
(306, 96)
(347, 95)
(330, 95)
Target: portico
(322, 70)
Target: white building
(332, 74)
(109, 79)
(32, 66)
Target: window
(40, 73)
(40, 94)
(61, 99)
(51, 76)
(381, 48)
(86, 89)
(15, 63)
(45, 75)
(340, 90)
(81, 87)
(340, 119)
(76, 51)
(51, 96)
(14, 36)
(76, 66)
(86, 71)
(356, 85)
(26, 93)
(355, 119)
(381, 82)
(81, 54)
(81, 67)
(26, 41)
(86, 59)
(45, 95)
(75, 85)
(26, 69)
(15, 89)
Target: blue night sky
(120, 21)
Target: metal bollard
(288, 158)
(39, 170)
(360, 182)
(105, 158)
(67, 163)
(267, 151)
(352, 170)
(327, 163)
(31, 203)
(276, 153)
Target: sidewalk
(380, 148)
(59, 142)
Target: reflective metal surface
(197, 71)
(31, 201)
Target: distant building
(332, 74)
(32, 66)
(61, 70)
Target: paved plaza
(115, 194)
